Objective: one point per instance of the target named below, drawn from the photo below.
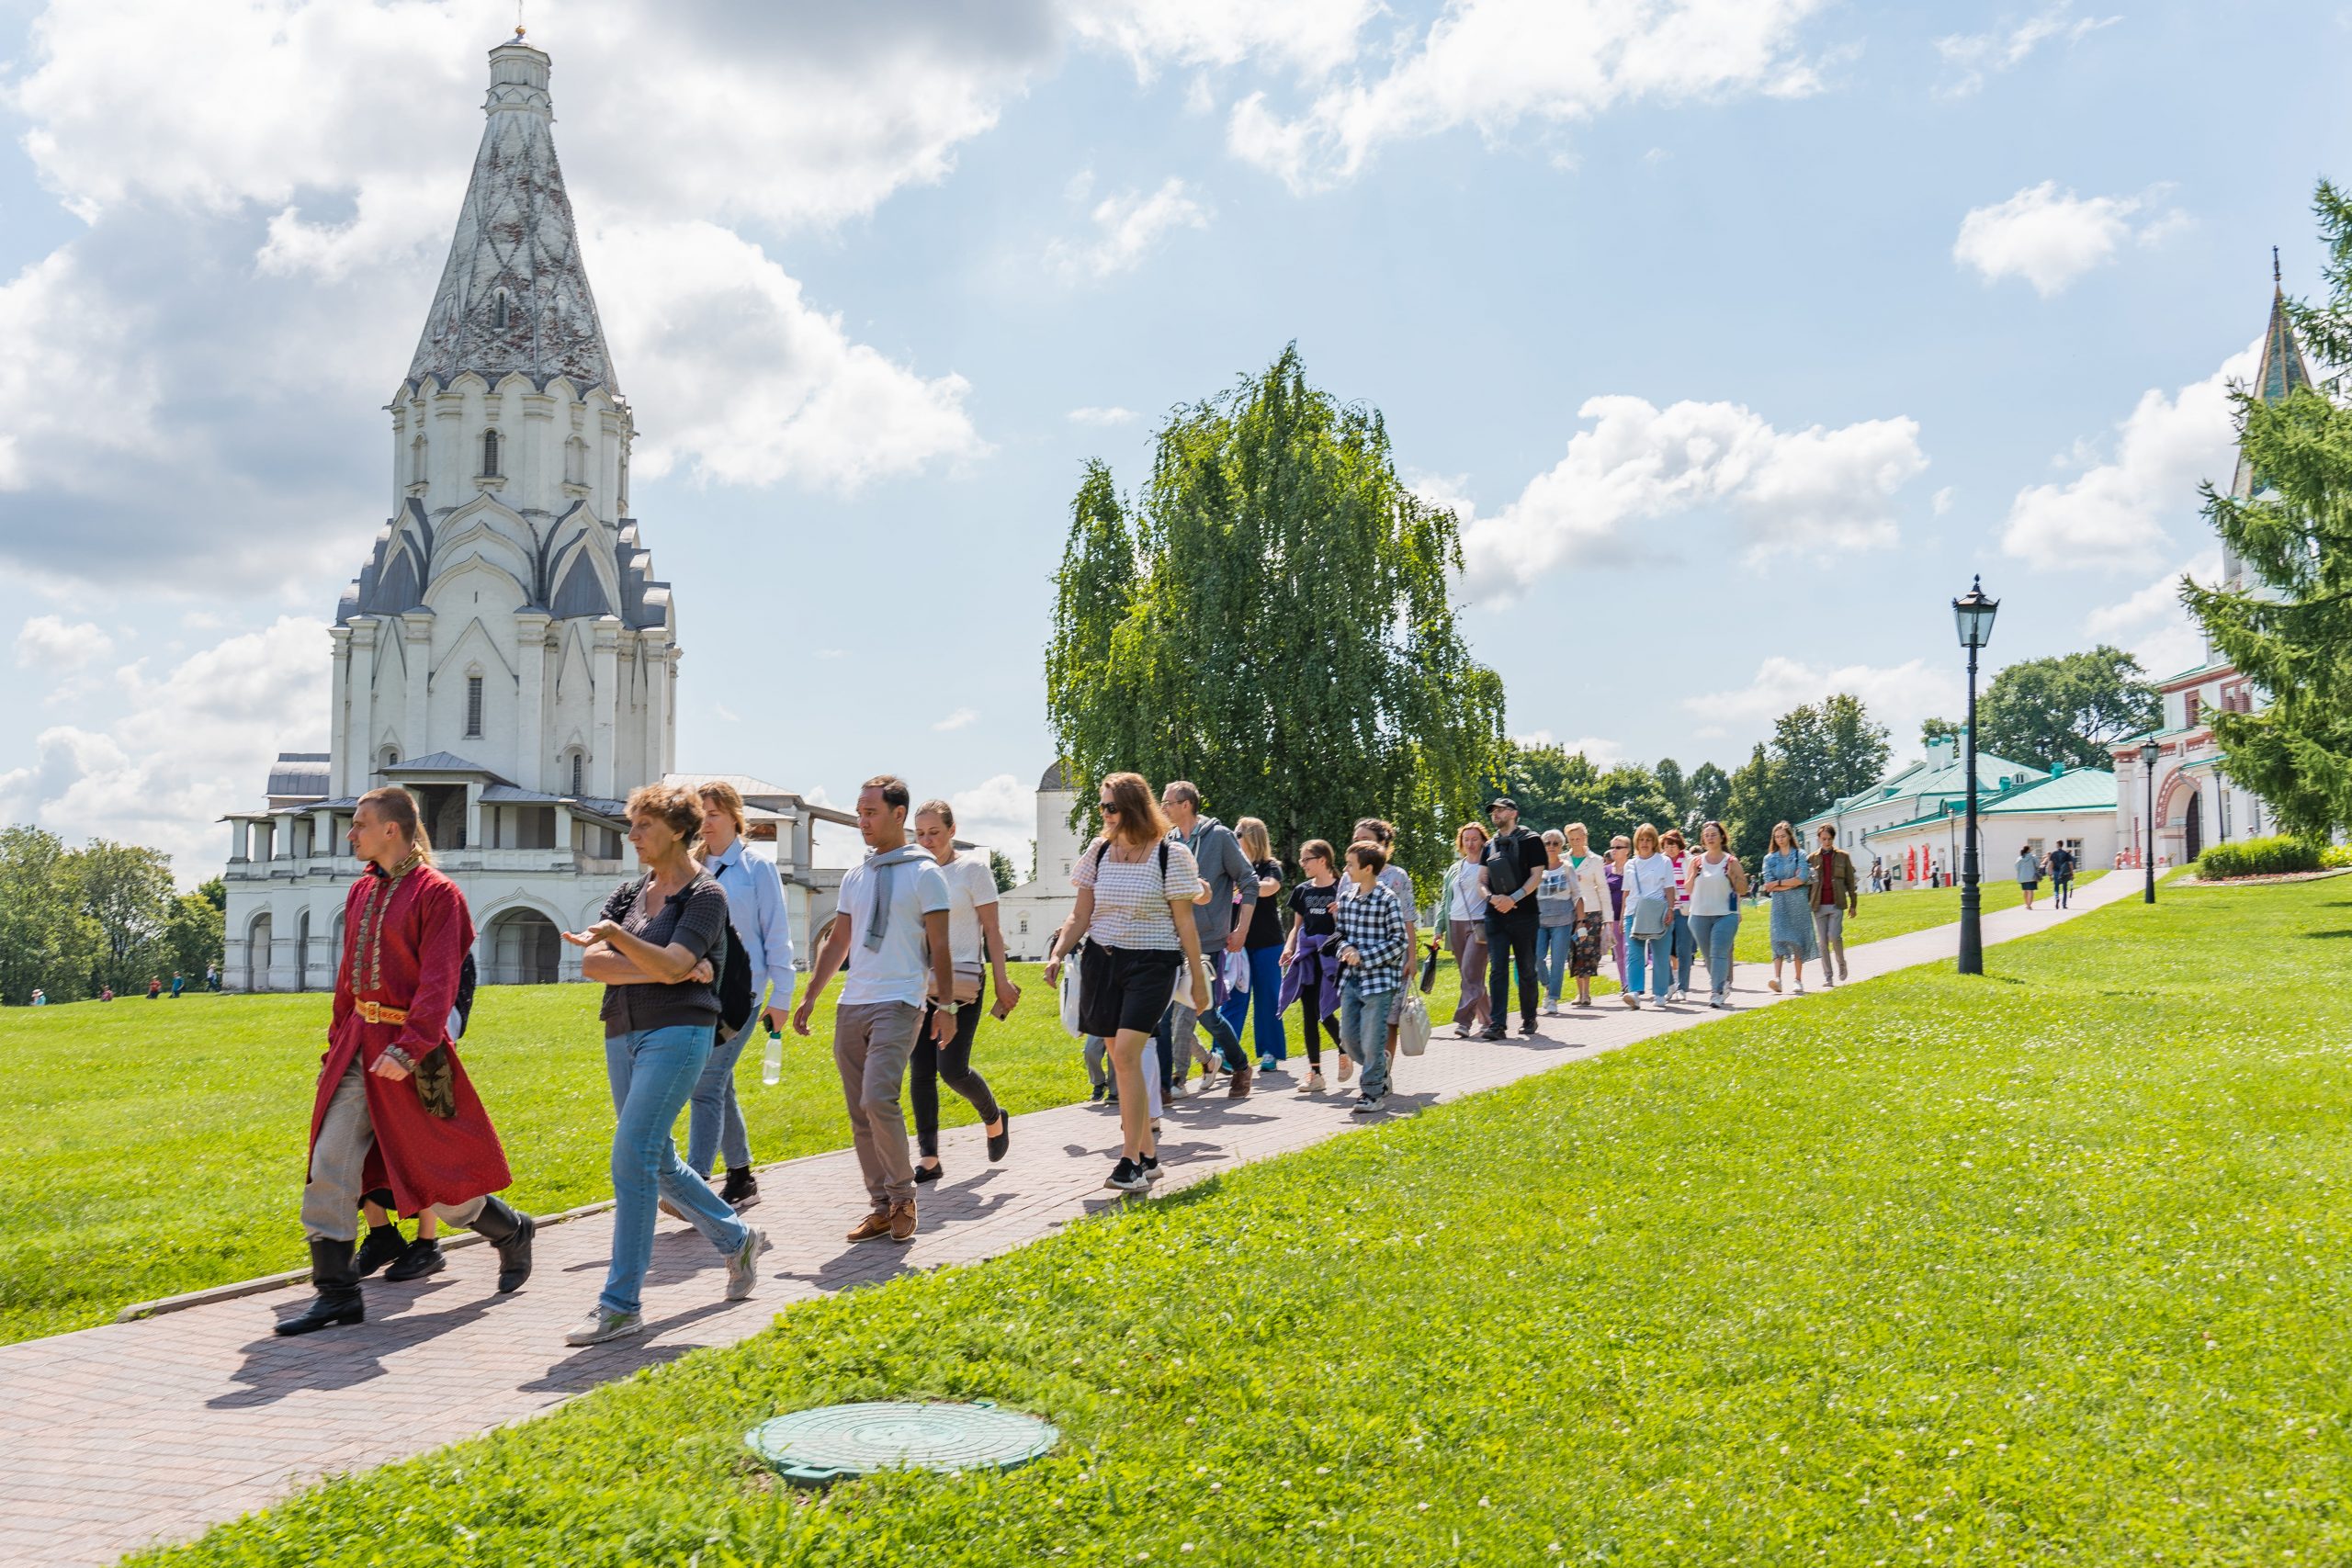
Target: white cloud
(1313, 36)
(2152, 623)
(1102, 416)
(962, 719)
(2115, 512)
(1812, 491)
(1899, 696)
(2049, 238)
(55, 647)
(1973, 56)
(1494, 64)
(1941, 501)
(1001, 812)
(1126, 227)
(201, 733)
(754, 385)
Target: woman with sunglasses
(1133, 924)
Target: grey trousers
(871, 1043)
(330, 1197)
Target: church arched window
(579, 772)
(498, 311)
(489, 453)
(473, 705)
(388, 758)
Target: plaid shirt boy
(1371, 924)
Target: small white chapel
(506, 652)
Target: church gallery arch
(521, 947)
(302, 951)
(257, 940)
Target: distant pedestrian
(41, 997)
(2029, 875)
(1375, 957)
(1555, 919)
(1596, 912)
(1310, 958)
(154, 987)
(213, 977)
(1514, 866)
(1649, 919)
(1793, 937)
(977, 938)
(1136, 935)
(1718, 881)
(658, 950)
(2061, 875)
(106, 993)
(893, 932)
(1227, 871)
(1612, 872)
(1261, 946)
(1835, 898)
(1460, 922)
(179, 984)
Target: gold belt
(376, 1013)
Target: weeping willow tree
(1269, 618)
(2290, 522)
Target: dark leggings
(1314, 1036)
(954, 1063)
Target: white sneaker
(1313, 1084)
(1800, 987)
(600, 1326)
(743, 1264)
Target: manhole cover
(812, 1447)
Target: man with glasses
(1515, 862)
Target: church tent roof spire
(514, 295)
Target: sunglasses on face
(1108, 808)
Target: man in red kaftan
(394, 1107)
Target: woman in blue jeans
(655, 949)
(1555, 924)
(1649, 919)
(1262, 943)
(1717, 883)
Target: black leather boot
(423, 1258)
(511, 1234)
(337, 1282)
(384, 1245)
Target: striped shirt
(1131, 908)
(1371, 924)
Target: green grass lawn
(2043, 1268)
(148, 1148)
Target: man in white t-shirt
(893, 916)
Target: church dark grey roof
(1056, 778)
(299, 772)
(439, 763)
(514, 295)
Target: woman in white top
(1717, 883)
(1462, 926)
(972, 932)
(1649, 919)
(1135, 887)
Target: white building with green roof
(1912, 821)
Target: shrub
(2336, 857)
(2273, 856)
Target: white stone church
(506, 652)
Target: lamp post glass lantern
(2150, 751)
(1972, 614)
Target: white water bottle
(772, 1068)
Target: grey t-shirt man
(1224, 867)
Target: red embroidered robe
(404, 949)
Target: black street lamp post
(2150, 751)
(1973, 614)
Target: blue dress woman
(1791, 895)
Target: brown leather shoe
(900, 1221)
(1243, 1075)
(874, 1227)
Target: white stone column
(655, 661)
(452, 466)
(531, 759)
(241, 833)
(417, 632)
(355, 756)
(606, 674)
(339, 711)
(563, 833)
(474, 815)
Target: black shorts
(1121, 987)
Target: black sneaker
(1125, 1177)
(384, 1245)
(1370, 1105)
(1526, 1027)
(1150, 1166)
(1493, 1032)
(1099, 1091)
(741, 1190)
(422, 1258)
(925, 1173)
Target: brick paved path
(150, 1431)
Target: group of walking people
(1178, 926)
(692, 953)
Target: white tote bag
(1070, 996)
(1412, 1025)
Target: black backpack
(733, 984)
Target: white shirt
(755, 906)
(1469, 891)
(900, 970)
(1131, 903)
(970, 885)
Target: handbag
(1069, 998)
(1648, 918)
(1429, 970)
(1412, 1025)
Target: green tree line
(73, 922)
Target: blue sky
(1751, 329)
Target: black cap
(1502, 800)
